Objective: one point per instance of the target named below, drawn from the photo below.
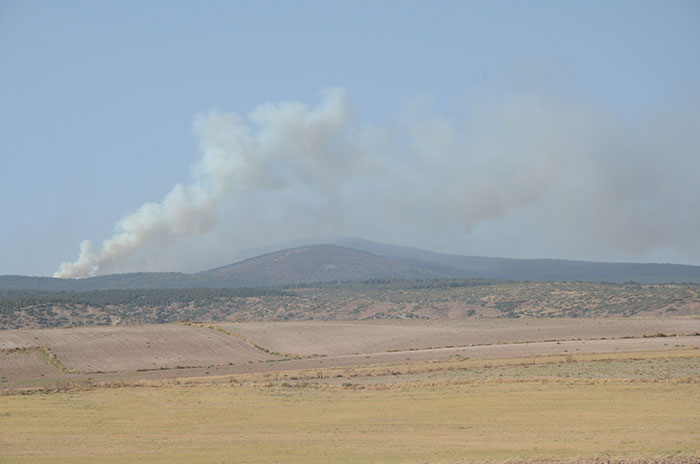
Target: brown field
(310, 338)
(114, 349)
(529, 390)
(22, 365)
(48, 357)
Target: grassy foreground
(495, 421)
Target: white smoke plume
(313, 142)
(549, 176)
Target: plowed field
(112, 349)
(109, 354)
(343, 338)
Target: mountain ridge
(349, 259)
(521, 269)
(315, 263)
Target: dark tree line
(17, 299)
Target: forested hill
(315, 263)
(351, 259)
(539, 270)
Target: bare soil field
(115, 354)
(110, 349)
(20, 366)
(481, 355)
(515, 353)
(344, 338)
(496, 351)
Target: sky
(171, 135)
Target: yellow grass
(438, 424)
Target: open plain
(360, 337)
(373, 391)
(354, 232)
(472, 422)
(436, 391)
(113, 349)
(102, 354)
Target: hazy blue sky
(507, 128)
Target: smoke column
(525, 175)
(235, 156)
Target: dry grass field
(495, 422)
(373, 392)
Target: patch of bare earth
(112, 349)
(18, 365)
(310, 338)
(486, 353)
(112, 354)
(518, 350)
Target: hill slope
(309, 264)
(348, 259)
(314, 263)
(543, 270)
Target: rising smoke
(313, 142)
(589, 179)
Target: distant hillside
(542, 270)
(314, 263)
(530, 269)
(345, 259)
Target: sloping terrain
(528, 269)
(174, 350)
(375, 300)
(25, 367)
(314, 263)
(344, 338)
(449, 265)
(110, 349)
(351, 259)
